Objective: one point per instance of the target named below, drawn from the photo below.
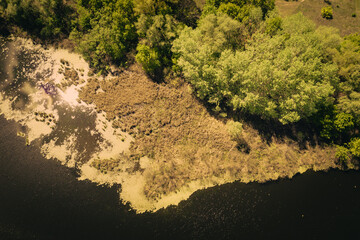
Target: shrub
(343, 122)
(157, 33)
(235, 129)
(353, 15)
(105, 31)
(149, 59)
(327, 12)
(328, 130)
(273, 25)
(354, 147)
(42, 18)
(342, 154)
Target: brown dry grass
(184, 142)
(342, 13)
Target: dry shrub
(185, 143)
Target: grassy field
(342, 13)
(184, 143)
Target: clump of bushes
(284, 77)
(43, 19)
(327, 12)
(156, 35)
(104, 32)
(149, 59)
(353, 15)
(107, 165)
(345, 154)
(236, 130)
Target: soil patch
(343, 11)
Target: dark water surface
(40, 199)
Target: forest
(242, 59)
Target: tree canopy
(46, 19)
(284, 77)
(105, 31)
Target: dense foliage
(46, 19)
(238, 55)
(105, 31)
(284, 76)
(327, 12)
(156, 35)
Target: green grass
(342, 13)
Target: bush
(105, 31)
(354, 147)
(235, 129)
(200, 50)
(351, 104)
(328, 130)
(343, 122)
(157, 33)
(353, 15)
(149, 59)
(343, 155)
(273, 25)
(46, 19)
(327, 12)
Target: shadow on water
(80, 122)
(40, 199)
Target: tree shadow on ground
(305, 132)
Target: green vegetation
(284, 76)
(156, 35)
(240, 57)
(327, 12)
(105, 31)
(46, 19)
(342, 13)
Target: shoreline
(159, 142)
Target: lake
(43, 199)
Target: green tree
(249, 12)
(157, 33)
(327, 12)
(354, 147)
(350, 104)
(343, 154)
(284, 77)
(348, 60)
(199, 52)
(265, 5)
(149, 59)
(46, 19)
(184, 11)
(105, 31)
(273, 24)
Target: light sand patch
(178, 148)
(35, 128)
(70, 95)
(65, 153)
(115, 141)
